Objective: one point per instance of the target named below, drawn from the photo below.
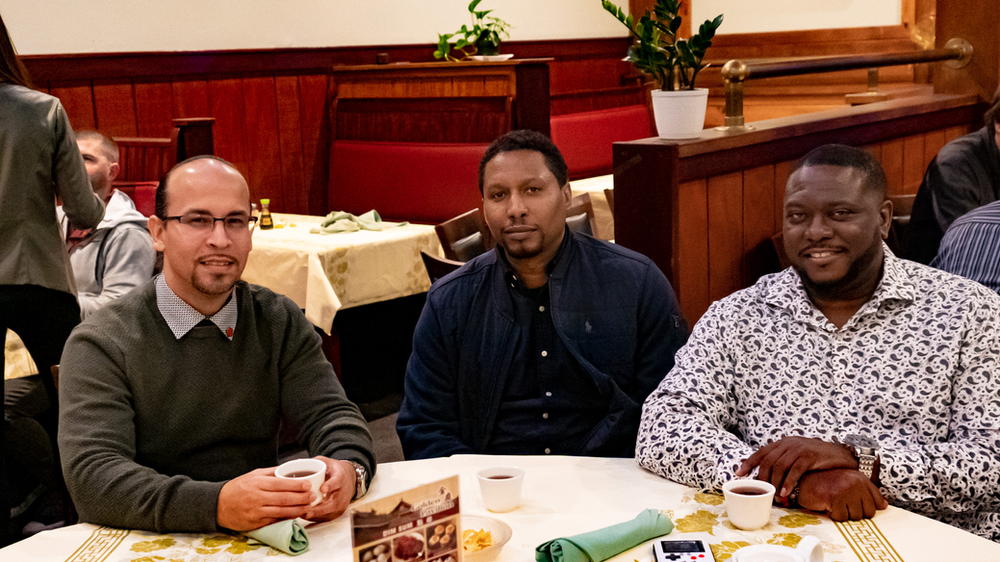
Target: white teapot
(808, 550)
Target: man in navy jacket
(547, 345)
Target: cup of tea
(501, 487)
(310, 470)
(748, 503)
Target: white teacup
(501, 487)
(748, 503)
(311, 470)
(808, 550)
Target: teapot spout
(810, 549)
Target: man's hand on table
(844, 494)
(338, 489)
(783, 462)
(259, 498)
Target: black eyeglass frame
(251, 221)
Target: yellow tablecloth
(602, 212)
(17, 361)
(562, 496)
(323, 273)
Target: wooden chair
(438, 267)
(465, 236)
(580, 217)
(149, 159)
(609, 194)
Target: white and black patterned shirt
(916, 368)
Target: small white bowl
(499, 531)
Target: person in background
(39, 161)
(546, 345)
(971, 246)
(849, 381)
(171, 396)
(964, 175)
(118, 255)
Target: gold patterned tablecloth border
(100, 545)
(868, 542)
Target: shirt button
(548, 394)
(545, 416)
(845, 387)
(547, 450)
(545, 354)
(541, 308)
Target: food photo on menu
(418, 525)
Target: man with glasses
(171, 396)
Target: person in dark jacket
(547, 345)
(964, 175)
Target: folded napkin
(339, 221)
(287, 536)
(607, 542)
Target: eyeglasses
(233, 223)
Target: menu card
(421, 524)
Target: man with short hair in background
(171, 396)
(116, 256)
(547, 344)
(850, 380)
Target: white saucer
(491, 58)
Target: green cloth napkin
(287, 536)
(339, 221)
(607, 542)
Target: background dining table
(562, 496)
(324, 273)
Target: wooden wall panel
(313, 99)
(933, 143)
(725, 234)
(294, 193)
(190, 98)
(913, 163)
(261, 119)
(892, 163)
(79, 104)
(226, 105)
(759, 209)
(114, 105)
(782, 170)
(154, 109)
(691, 263)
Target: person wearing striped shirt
(971, 246)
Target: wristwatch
(865, 449)
(361, 487)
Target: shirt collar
(511, 277)
(790, 293)
(181, 316)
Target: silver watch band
(361, 484)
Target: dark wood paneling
(759, 192)
(289, 114)
(725, 234)
(261, 118)
(190, 98)
(458, 120)
(79, 104)
(114, 104)
(313, 95)
(226, 105)
(154, 109)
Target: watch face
(861, 441)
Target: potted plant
(483, 38)
(678, 107)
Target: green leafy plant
(658, 52)
(482, 38)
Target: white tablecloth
(323, 273)
(562, 496)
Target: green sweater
(152, 426)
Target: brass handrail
(736, 72)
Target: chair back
(902, 206)
(580, 217)
(438, 267)
(609, 195)
(465, 236)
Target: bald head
(212, 167)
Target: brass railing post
(957, 52)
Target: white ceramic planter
(680, 114)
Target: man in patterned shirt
(849, 345)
